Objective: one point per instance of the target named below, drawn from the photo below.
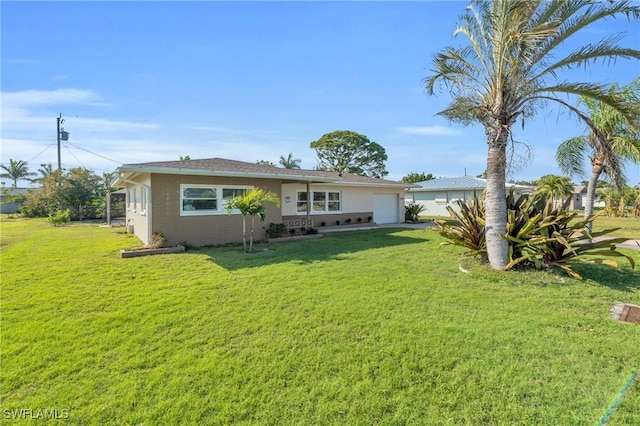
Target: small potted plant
(369, 219)
(359, 219)
(348, 220)
(338, 222)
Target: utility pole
(60, 121)
(64, 136)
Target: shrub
(276, 230)
(311, 231)
(538, 235)
(157, 240)
(412, 212)
(549, 237)
(59, 218)
(469, 231)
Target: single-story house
(185, 200)
(578, 197)
(436, 194)
(11, 198)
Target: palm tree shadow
(333, 246)
(621, 279)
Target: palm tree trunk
(244, 234)
(496, 203)
(253, 218)
(591, 195)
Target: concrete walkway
(629, 244)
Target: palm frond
(570, 156)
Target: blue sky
(151, 81)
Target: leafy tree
(414, 177)
(345, 151)
(289, 162)
(185, 157)
(511, 67)
(252, 203)
(614, 142)
(265, 163)
(16, 170)
(79, 190)
(557, 187)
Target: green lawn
(366, 327)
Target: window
(322, 202)
(207, 199)
(302, 202)
(334, 202)
(319, 199)
(143, 201)
(135, 198)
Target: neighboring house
(578, 197)
(436, 194)
(11, 198)
(185, 200)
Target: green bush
(276, 230)
(412, 212)
(59, 218)
(539, 235)
(469, 231)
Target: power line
(93, 153)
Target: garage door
(385, 208)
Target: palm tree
(16, 170)
(510, 69)
(289, 162)
(616, 142)
(45, 171)
(251, 203)
(557, 187)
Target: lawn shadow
(614, 278)
(333, 246)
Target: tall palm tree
(510, 69)
(16, 170)
(289, 162)
(252, 203)
(558, 187)
(616, 142)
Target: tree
(265, 163)
(615, 142)
(344, 151)
(289, 162)
(414, 177)
(44, 171)
(557, 187)
(185, 158)
(251, 203)
(16, 170)
(511, 68)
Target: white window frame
(220, 201)
(144, 200)
(325, 209)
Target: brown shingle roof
(222, 166)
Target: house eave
(130, 171)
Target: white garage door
(385, 208)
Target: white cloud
(46, 97)
(428, 130)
